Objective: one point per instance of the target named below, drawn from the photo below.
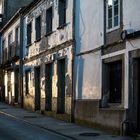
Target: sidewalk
(60, 127)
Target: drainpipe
(73, 65)
(104, 25)
(21, 60)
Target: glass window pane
(110, 23)
(116, 21)
(110, 13)
(116, 10)
(116, 2)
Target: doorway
(48, 86)
(136, 92)
(16, 85)
(61, 86)
(37, 88)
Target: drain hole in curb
(89, 134)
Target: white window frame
(113, 27)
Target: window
(38, 27)
(115, 82)
(1, 7)
(27, 81)
(10, 39)
(29, 33)
(112, 82)
(113, 14)
(17, 36)
(3, 49)
(62, 12)
(49, 20)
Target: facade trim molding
(54, 49)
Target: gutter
(133, 35)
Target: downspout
(73, 65)
(21, 60)
(104, 26)
(102, 101)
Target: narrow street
(20, 124)
(12, 129)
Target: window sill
(113, 106)
(62, 26)
(49, 33)
(112, 29)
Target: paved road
(12, 129)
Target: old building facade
(10, 60)
(107, 65)
(10, 22)
(47, 55)
(76, 66)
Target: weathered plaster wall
(89, 35)
(58, 36)
(56, 46)
(88, 76)
(11, 29)
(89, 25)
(5, 34)
(131, 14)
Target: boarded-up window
(29, 33)
(49, 20)
(38, 27)
(62, 12)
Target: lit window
(113, 14)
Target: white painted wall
(131, 20)
(88, 76)
(89, 24)
(131, 12)
(89, 35)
